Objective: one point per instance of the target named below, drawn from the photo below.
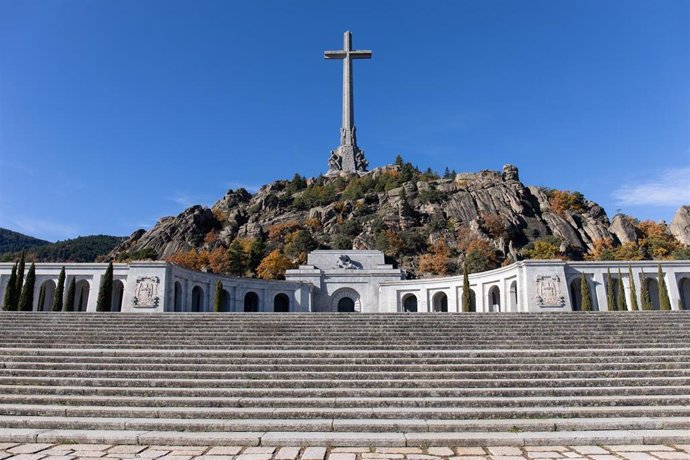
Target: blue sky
(116, 113)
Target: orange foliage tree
(273, 266)
(437, 261)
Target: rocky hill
(426, 223)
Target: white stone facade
(359, 281)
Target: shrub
(562, 201)
(26, 299)
(105, 291)
(584, 294)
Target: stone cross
(347, 157)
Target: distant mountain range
(80, 249)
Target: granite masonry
(360, 281)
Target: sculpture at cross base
(348, 156)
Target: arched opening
(251, 302)
(513, 296)
(46, 296)
(653, 287)
(225, 301)
(197, 299)
(410, 303)
(575, 297)
(494, 299)
(346, 305)
(281, 303)
(177, 303)
(473, 301)
(81, 296)
(684, 291)
(440, 302)
(118, 293)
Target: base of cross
(347, 158)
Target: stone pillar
(599, 294)
(187, 296)
(672, 286)
(93, 292)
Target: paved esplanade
(347, 157)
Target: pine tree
(633, 291)
(466, 295)
(610, 298)
(20, 279)
(41, 298)
(217, 300)
(644, 292)
(26, 300)
(664, 301)
(59, 290)
(8, 301)
(69, 301)
(621, 303)
(586, 300)
(105, 291)
(446, 173)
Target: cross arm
(336, 54)
(360, 54)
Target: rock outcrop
(424, 207)
(680, 225)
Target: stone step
(345, 392)
(352, 425)
(668, 399)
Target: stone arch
(225, 301)
(197, 299)
(684, 291)
(440, 302)
(653, 287)
(118, 294)
(346, 300)
(281, 303)
(513, 297)
(409, 303)
(81, 295)
(251, 302)
(48, 293)
(177, 297)
(494, 299)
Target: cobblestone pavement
(34, 451)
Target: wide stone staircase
(346, 379)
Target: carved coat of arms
(549, 291)
(146, 291)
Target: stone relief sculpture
(146, 292)
(345, 262)
(549, 291)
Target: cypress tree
(26, 299)
(20, 279)
(8, 301)
(217, 306)
(644, 292)
(621, 303)
(105, 291)
(584, 294)
(664, 301)
(610, 298)
(633, 292)
(41, 298)
(466, 296)
(59, 290)
(69, 301)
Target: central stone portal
(347, 157)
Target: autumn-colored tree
(603, 249)
(655, 239)
(493, 225)
(59, 291)
(610, 296)
(480, 256)
(633, 291)
(542, 249)
(664, 301)
(211, 236)
(628, 251)
(437, 261)
(280, 230)
(274, 265)
(586, 299)
(620, 301)
(644, 292)
(563, 200)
